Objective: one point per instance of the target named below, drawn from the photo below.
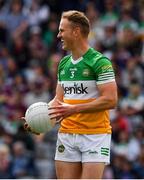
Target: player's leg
(68, 170)
(95, 155)
(67, 158)
(92, 170)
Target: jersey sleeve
(61, 67)
(59, 72)
(104, 71)
(58, 75)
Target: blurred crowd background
(29, 55)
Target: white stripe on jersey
(105, 81)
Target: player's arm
(107, 88)
(58, 97)
(27, 127)
(106, 100)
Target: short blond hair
(78, 18)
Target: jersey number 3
(72, 74)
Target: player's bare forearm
(106, 100)
(102, 103)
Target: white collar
(76, 61)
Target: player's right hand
(28, 128)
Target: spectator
(16, 21)
(96, 32)
(132, 72)
(5, 162)
(110, 17)
(19, 50)
(37, 93)
(138, 167)
(37, 48)
(23, 164)
(50, 33)
(37, 13)
(126, 146)
(133, 105)
(3, 15)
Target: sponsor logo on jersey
(75, 89)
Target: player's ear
(76, 32)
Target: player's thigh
(68, 170)
(91, 170)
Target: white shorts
(83, 148)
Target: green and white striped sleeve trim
(106, 77)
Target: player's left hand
(27, 127)
(61, 111)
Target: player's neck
(80, 50)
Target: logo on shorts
(92, 152)
(104, 151)
(61, 148)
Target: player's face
(66, 34)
